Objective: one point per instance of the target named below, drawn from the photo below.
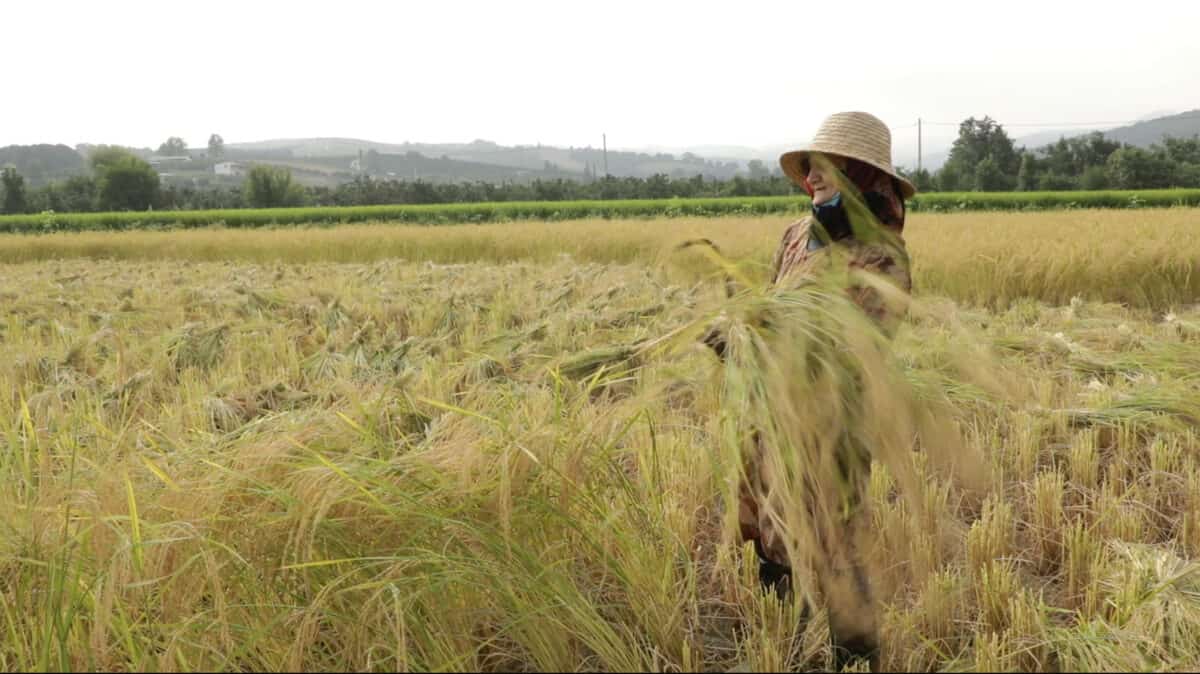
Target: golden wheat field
(500, 448)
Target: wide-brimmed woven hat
(856, 135)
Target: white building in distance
(230, 168)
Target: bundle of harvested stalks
(813, 396)
(608, 358)
(198, 346)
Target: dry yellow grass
(245, 457)
(1145, 257)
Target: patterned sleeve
(791, 249)
(876, 259)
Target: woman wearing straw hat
(859, 146)
(847, 166)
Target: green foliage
(77, 194)
(1025, 181)
(272, 187)
(1071, 156)
(757, 169)
(103, 156)
(1093, 178)
(1131, 167)
(40, 164)
(1182, 150)
(444, 214)
(980, 140)
(1048, 182)
(216, 146)
(989, 177)
(14, 190)
(1188, 175)
(922, 179)
(123, 182)
(950, 179)
(174, 147)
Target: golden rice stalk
(198, 347)
(587, 363)
(1046, 520)
(990, 538)
(1156, 594)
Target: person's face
(824, 185)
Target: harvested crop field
(383, 447)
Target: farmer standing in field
(847, 166)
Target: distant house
(158, 160)
(230, 168)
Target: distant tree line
(983, 158)
(122, 182)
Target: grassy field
(442, 214)
(386, 447)
(1142, 258)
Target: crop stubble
(246, 456)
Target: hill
(516, 162)
(1144, 134)
(40, 164)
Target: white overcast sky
(645, 72)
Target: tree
(1188, 175)
(124, 182)
(1025, 175)
(758, 169)
(1093, 149)
(272, 187)
(1132, 168)
(980, 139)
(101, 157)
(1093, 178)
(14, 190)
(658, 186)
(216, 146)
(174, 147)
(920, 178)
(1056, 182)
(989, 177)
(1182, 150)
(1071, 156)
(948, 179)
(76, 195)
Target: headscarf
(880, 191)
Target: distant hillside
(313, 147)
(1043, 138)
(1144, 134)
(412, 165)
(40, 164)
(516, 162)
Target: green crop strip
(445, 214)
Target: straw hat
(856, 135)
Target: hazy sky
(563, 72)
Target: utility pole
(604, 137)
(918, 144)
